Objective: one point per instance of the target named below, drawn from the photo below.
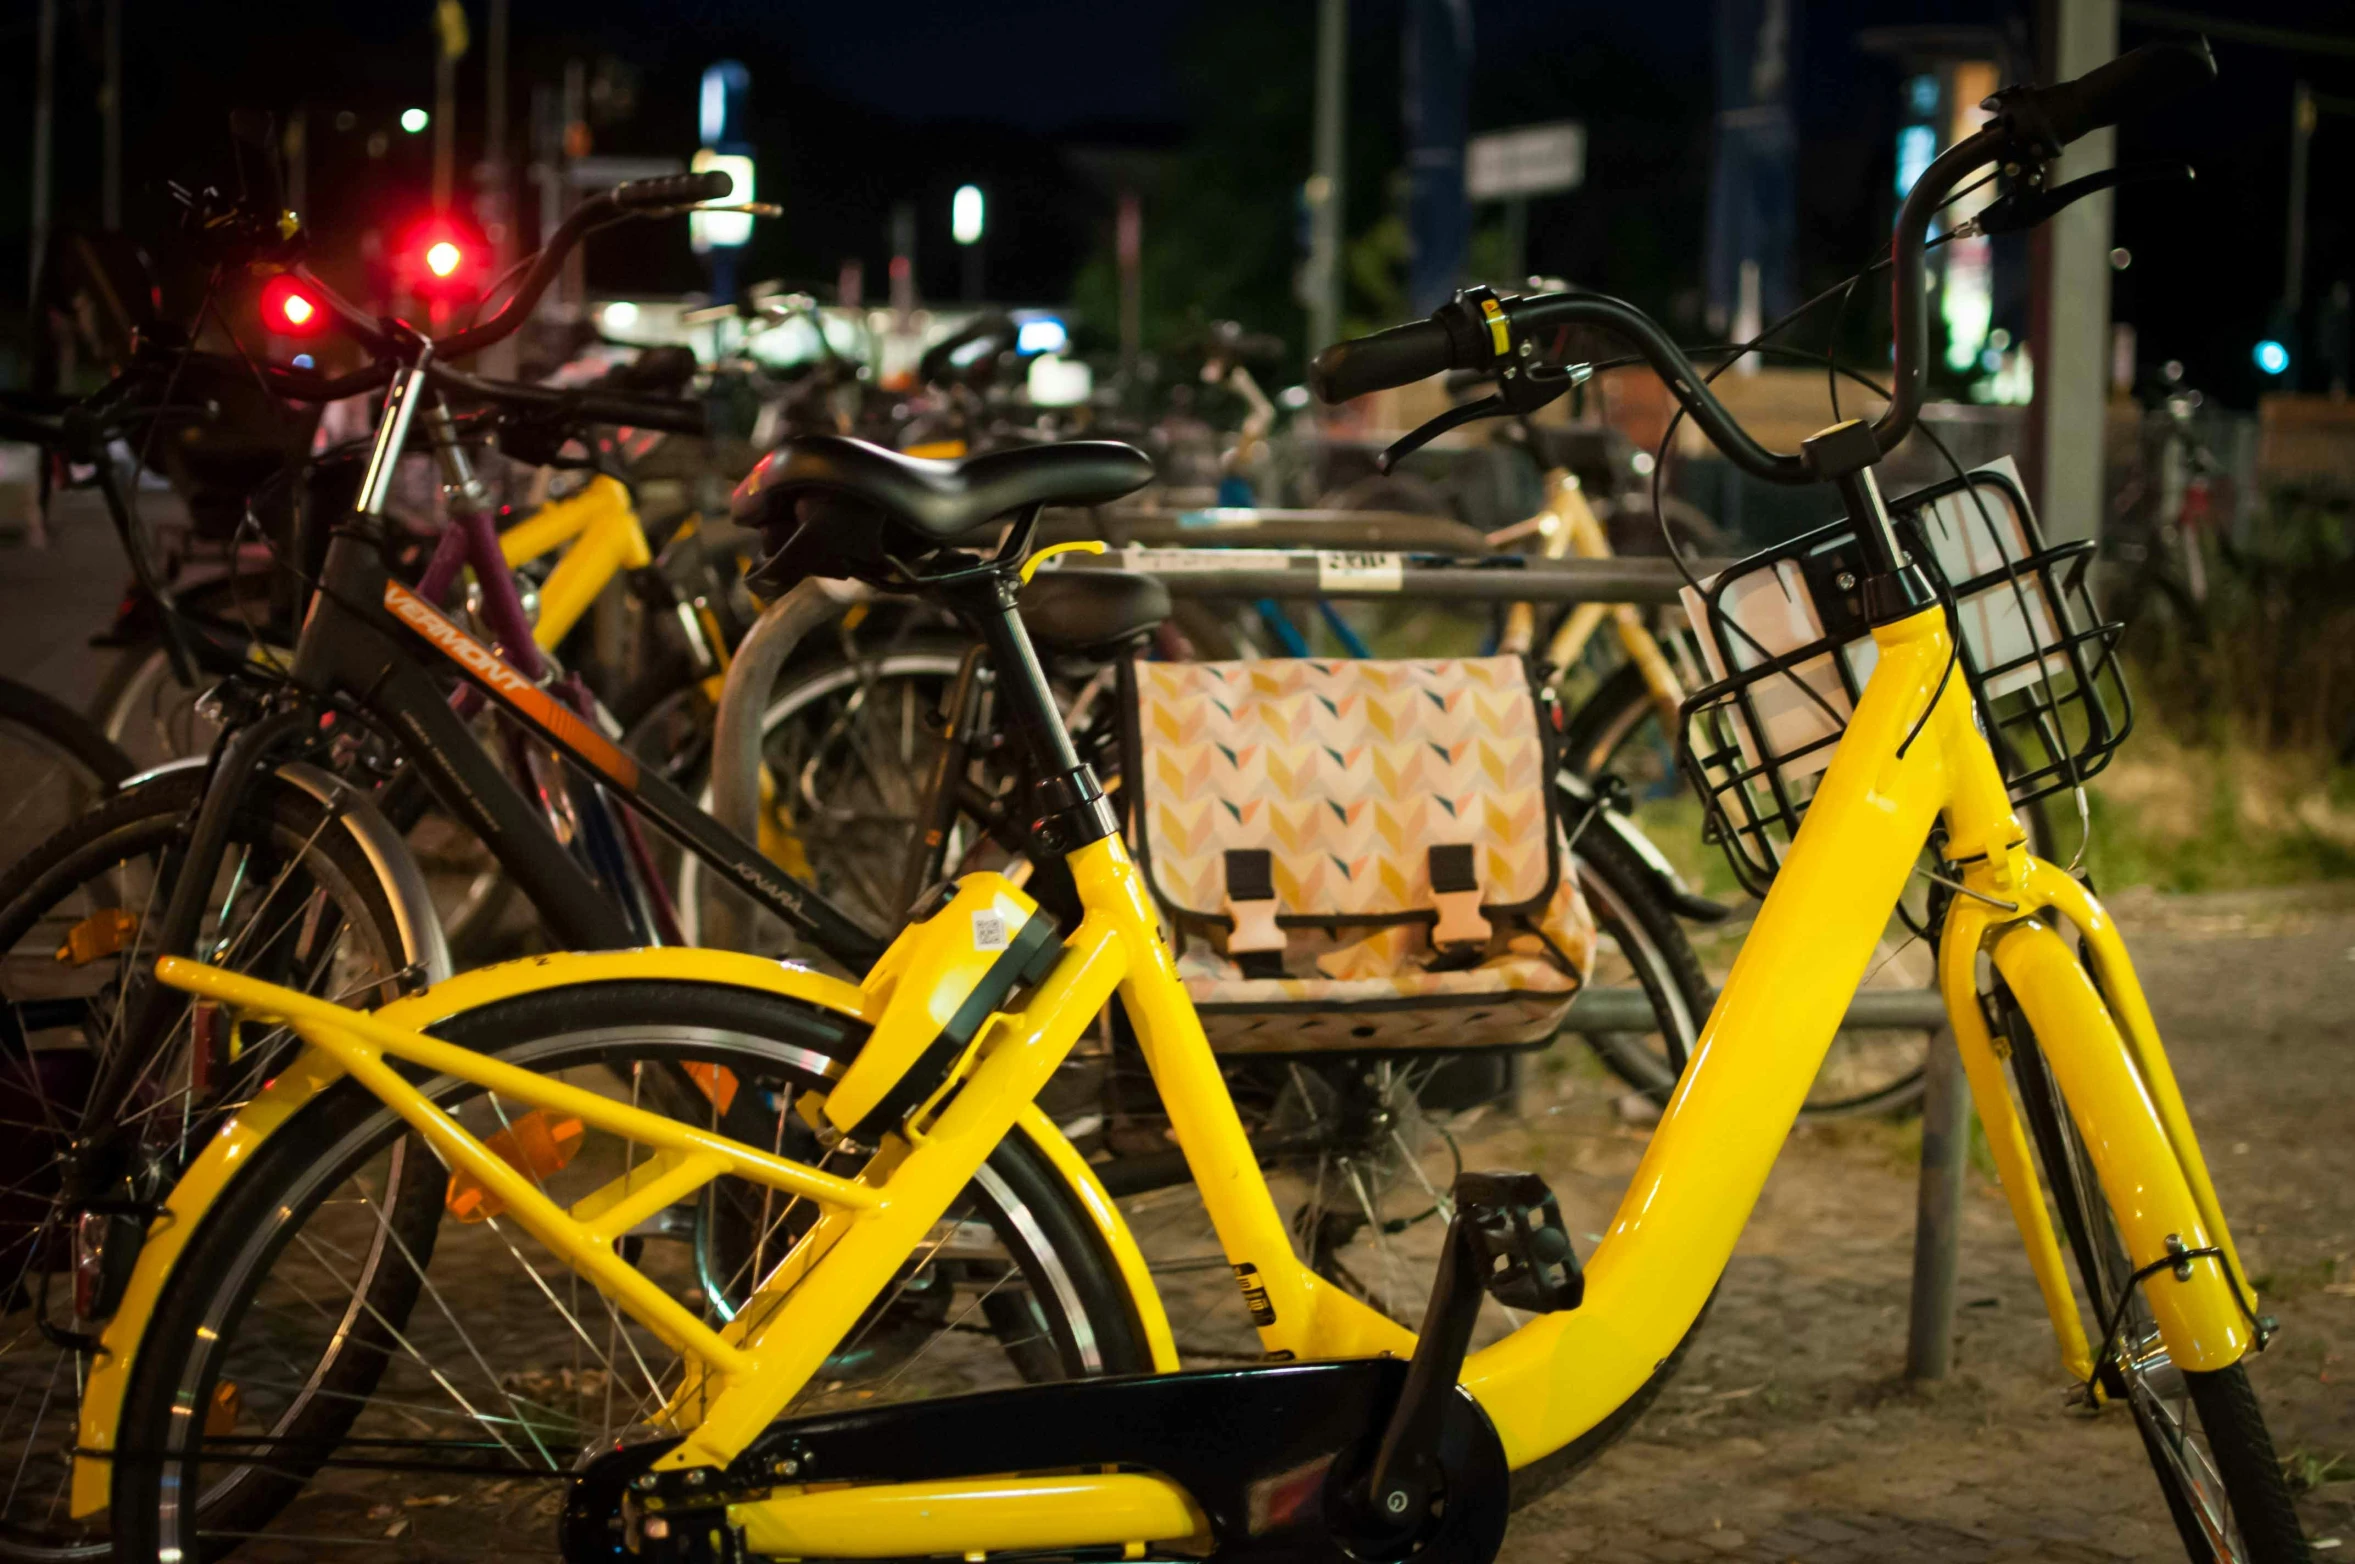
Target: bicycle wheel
(1616, 731)
(850, 746)
(54, 765)
(1376, 1199)
(2203, 1431)
(457, 1430)
(296, 901)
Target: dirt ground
(1790, 1432)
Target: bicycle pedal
(1514, 1226)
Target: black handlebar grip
(638, 195)
(2126, 88)
(1397, 357)
(636, 412)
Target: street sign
(1525, 161)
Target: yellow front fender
(314, 1071)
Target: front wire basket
(1785, 635)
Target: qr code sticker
(989, 930)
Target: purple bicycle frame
(472, 539)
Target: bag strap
(1254, 941)
(1455, 891)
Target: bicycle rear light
(290, 308)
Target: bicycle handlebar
(637, 195)
(298, 385)
(2132, 84)
(587, 405)
(641, 195)
(2030, 123)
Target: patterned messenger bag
(1358, 855)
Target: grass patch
(2215, 817)
(2167, 814)
(2305, 1471)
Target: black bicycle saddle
(830, 506)
(945, 501)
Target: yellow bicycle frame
(1566, 526)
(602, 527)
(1550, 1381)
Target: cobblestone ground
(1790, 1433)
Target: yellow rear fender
(314, 1072)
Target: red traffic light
(290, 309)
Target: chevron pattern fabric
(1346, 773)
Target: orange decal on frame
(561, 721)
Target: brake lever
(2024, 206)
(1524, 393)
(1454, 418)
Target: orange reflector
(717, 1081)
(534, 1145)
(100, 934)
(221, 1412)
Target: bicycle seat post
(1072, 810)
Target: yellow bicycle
(688, 1254)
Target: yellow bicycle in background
(694, 1255)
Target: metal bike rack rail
(1375, 574)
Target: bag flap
(1346, 773)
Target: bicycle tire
(929, 663)
(55, 763)
(665, 1024)
(38, 712)
(2238, 1456)
(1605, 722)
(1625, 894)
(40, 903)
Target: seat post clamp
(1073, 811)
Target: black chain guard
(1269, 1453)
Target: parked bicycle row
(738, 1256)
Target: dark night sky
(860, 106)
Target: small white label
(1359, 572)
(1187, 561)
(989, 930)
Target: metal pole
(2293, 271)
(110, 129)
(445, 129)
(1129, 246)
(1326, 185)
(1937, 1220)
(294, 143)
(498, 205)
(44, 118)
(573, 287)
(2072, 347)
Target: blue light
(1922, 94)
(1043, 335)
(1916, 146)
(304, 361)
(2272, 357)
